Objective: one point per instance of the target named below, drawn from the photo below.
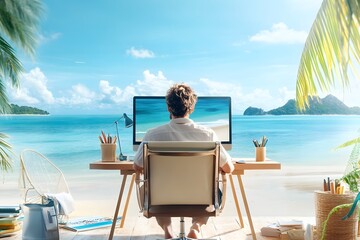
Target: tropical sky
(94, 56)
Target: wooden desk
(126, 168)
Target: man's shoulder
(158, 129)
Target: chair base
(182, 233)
(186, 238)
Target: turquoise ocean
(71, 142)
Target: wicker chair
(40, 179)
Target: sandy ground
(286, 192)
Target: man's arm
(137, 168)
(138, 159)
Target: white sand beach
(285, 192)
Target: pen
(266, 140)
(328, 184)
(263, 141)
(325, 186)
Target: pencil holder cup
(108, 152)
(260, 154)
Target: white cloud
(215, 88)
(286, 94)
(105, 87)
(48, 38)
(150, 85)
(22, 95)
(34, 91)
(140, 53)
(79, 95)
(33, 88)
(280, 33)
(111, 94)
(153, 84)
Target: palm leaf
(10, 67)
(332, 44)
(5, 154)
(19, 20)
(349, 143)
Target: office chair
(181, 179)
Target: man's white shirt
(181, 129)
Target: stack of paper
(272, 230)
(294, 224)
(10, 220)
(276, 229)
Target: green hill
(328, 105)
(15, 109)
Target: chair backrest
(181, 173)
(39, 176)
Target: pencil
(104, 136)
(332, 187)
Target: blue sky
(94, 56)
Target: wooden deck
(141, 228)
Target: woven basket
(337, 229)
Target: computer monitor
(151, 111)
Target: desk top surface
(249, 164)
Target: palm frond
(349, 143)
(332, 44)
(19, 21)
(10, 69)
(5, 153)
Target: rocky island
(327, 105)
(15, 109)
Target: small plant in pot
(351, 178)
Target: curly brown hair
(181, 100)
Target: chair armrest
(139, 191)
(223, 182)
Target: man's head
(181, 100)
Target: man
(181, 100)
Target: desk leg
(246, 207)
(117, 207)
(127, 200)
(236, 201)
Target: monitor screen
(214, 112)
